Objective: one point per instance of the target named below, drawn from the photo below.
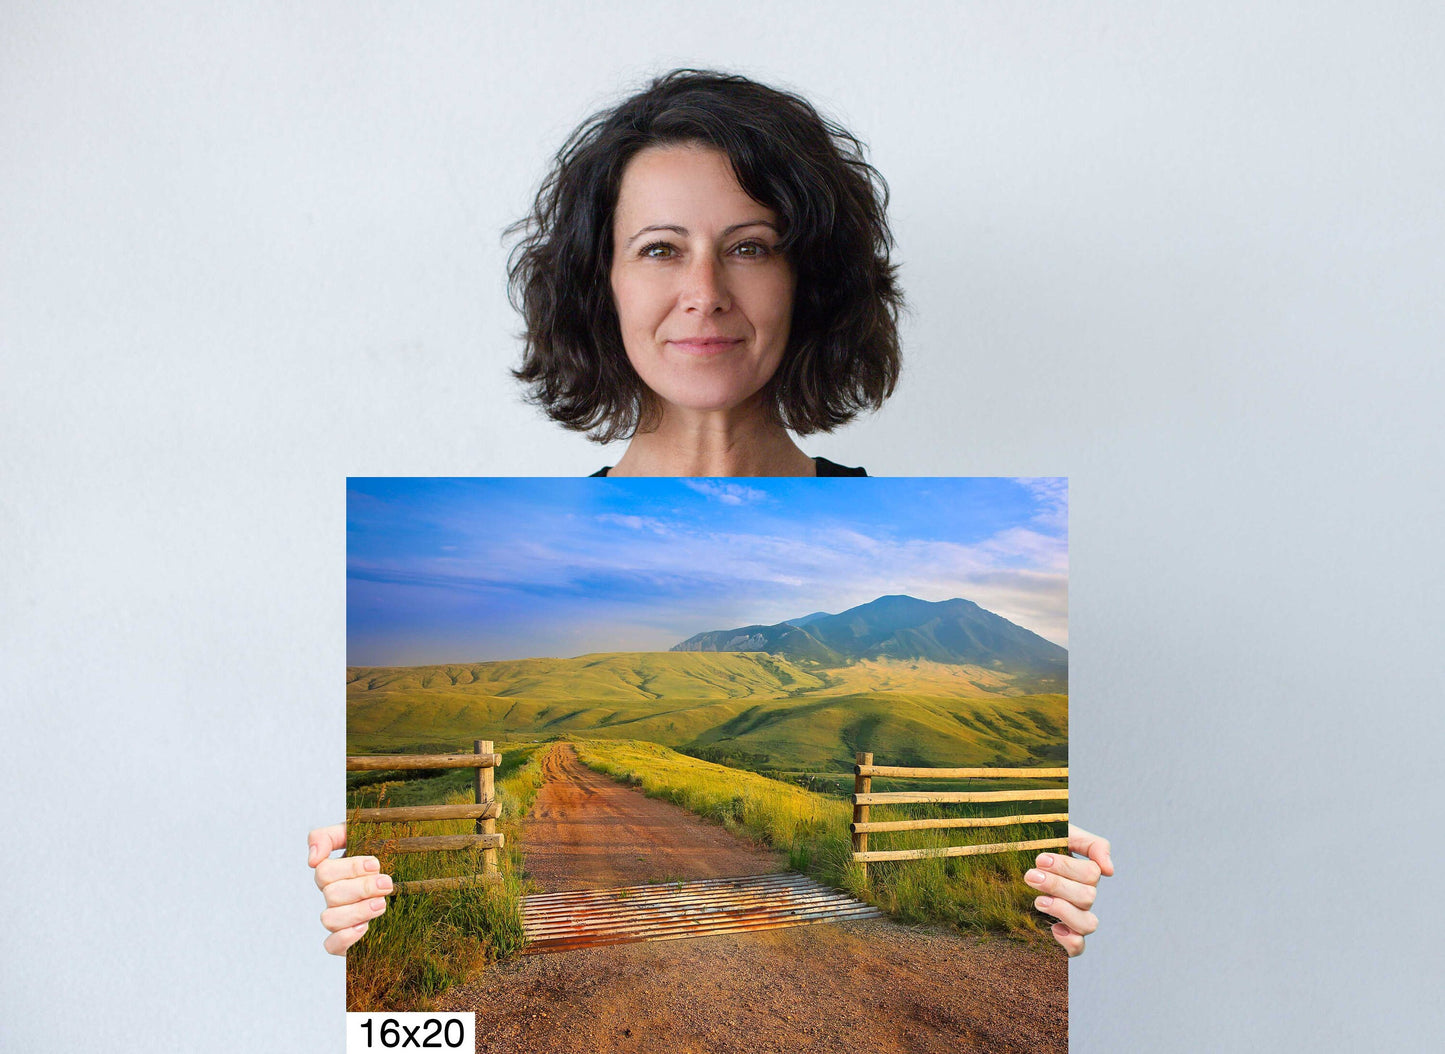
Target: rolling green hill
(773, 711)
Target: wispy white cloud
(635, 523)
(1051, 499)
(727, 493)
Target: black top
(824, 468)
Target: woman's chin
(742, 404)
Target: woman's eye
(657, 250)
(751, 249)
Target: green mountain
(901, 627)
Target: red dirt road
(841, 987)
(586, 831)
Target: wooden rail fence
(864, 798)
(485, 811)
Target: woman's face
(703, 296)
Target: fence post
(485, 788)
(862, 785)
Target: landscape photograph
(636, 747)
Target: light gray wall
(1188, 255)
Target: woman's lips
(705, 345)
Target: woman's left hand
(1069, 887)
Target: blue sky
(462, 570)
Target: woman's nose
(704, 286)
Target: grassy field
(749, 709)
(425, 942)
(981, 894)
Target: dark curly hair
(842, 355)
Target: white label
(410, 1032)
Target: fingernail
(372, 864)
(379, 904)
(384, 883)
(1034, 878)
(362, 928)
(1046, 860)
(311, 856)
(1044, 902)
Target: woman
(704, 271)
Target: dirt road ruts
(586, 831)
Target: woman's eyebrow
(682, 231)
(658, 227)
(752, 223)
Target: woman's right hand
(355, 892)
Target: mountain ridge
(897, 626)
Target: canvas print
(716, 764)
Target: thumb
(324, 841)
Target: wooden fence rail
(486, 810)
(370, 762)
(864, 798)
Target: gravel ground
(842, 987)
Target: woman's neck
(685, 444)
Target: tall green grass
(978, 894)
(426, 942)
